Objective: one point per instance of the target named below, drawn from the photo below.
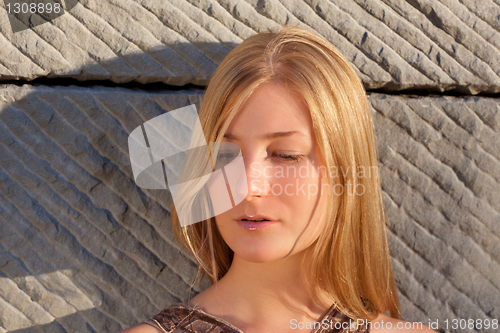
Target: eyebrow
(275, 135)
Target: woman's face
(274, 133)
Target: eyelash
(289, 157)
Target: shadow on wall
(83, 249)
(177, 64)
(78, 238)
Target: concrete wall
(83, 249)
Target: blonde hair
(350, 260)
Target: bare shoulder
(386, 324)
(142, 328)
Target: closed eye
(288, 157)
(224, 158)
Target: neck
(265, 288)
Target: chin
(260, 253)
(258, 257)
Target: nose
(257, 183)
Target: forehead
(272, 108)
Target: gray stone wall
(83, 249)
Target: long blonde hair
(350, 260)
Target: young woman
(306, 249)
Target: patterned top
(180, 318)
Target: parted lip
(255, 217)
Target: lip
(254, 217)
(251, 226)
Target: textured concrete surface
(440, 174)
(82, 249)
(393, 44)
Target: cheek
(219, 193)
(305, 202)
(226, 230)
(307, 198)
(222, 220)
(305, 185)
